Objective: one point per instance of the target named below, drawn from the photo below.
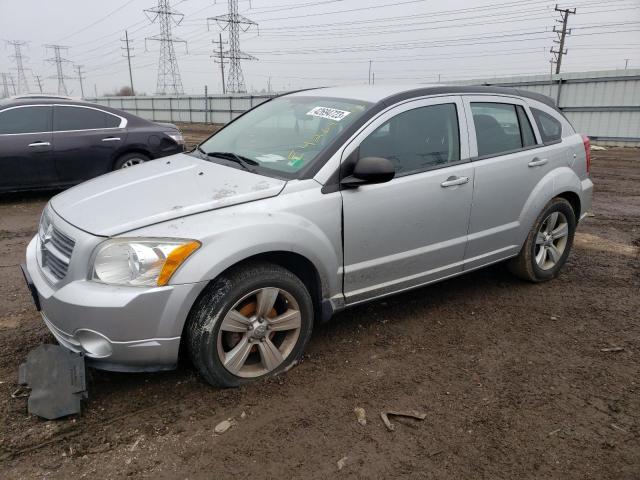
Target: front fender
(305, 223)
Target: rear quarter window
(550, 128)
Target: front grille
(56, 248)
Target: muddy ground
(512, 376)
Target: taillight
(587, 152)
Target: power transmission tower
(564, 17)
(235, 23)
(22, 84)
(128, 49)
(7, 82)
(59, 62)
(80, 78)
(169, 80)
(218, 57)
(38, 81)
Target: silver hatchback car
(305, 205)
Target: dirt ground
(512, 376)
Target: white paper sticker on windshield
(330, 113)
(270, 157)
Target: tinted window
(526, 132)
(497, 128)
(550, 128)
(78, 118)
(26, 120)
(417, 140)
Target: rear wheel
(129, 160)
(250, 323)
(548, 244)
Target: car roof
(45, 100)
(393, 93)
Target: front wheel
(250, 323)
(548, 244)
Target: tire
(129, 160)
(544, 253)
(218, 335)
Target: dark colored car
(53, 142)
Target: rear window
(501, 128)
(550, 128)
(79, 118)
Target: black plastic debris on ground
(56, 378)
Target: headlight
(176, 137)
(44, 228)
(140, 262)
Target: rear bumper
(117, 328)
(586, 198)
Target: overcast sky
(304, 43)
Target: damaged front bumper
(116, 328)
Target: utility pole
(626, 63)
(59, 62)
(95, 89)
(373, 78)
(564, 17)
(80, 78)
(235, 23)
(23, 85)
(37, 79)
(369, 72)
(128, 49)
(169, 80)
(219, 53)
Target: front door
(25, 148)
(413, 229)
(85, 142)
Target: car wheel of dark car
(252, 322)
(130, 160)
(548, 244)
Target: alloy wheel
(551, 240)
(259, 332)
(131, 162)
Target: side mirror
(370, 170)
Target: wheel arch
(296, 263)
(127, 151)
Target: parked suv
(53, 142)
(305, 205)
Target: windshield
(285, 134)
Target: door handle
(111, 139)
(453, 181)
(40, 144)
(538, 162)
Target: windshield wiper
(234, 157)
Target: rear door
(510, 160)
(412, 229)
(26, 159)
(85, 141)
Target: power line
(23, 85)
(169, 80)
(58, 61)
(564, 15)
(234, 22)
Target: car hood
(159, 190)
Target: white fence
(605, 104)
(184, 108)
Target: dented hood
(156, 191)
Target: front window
(284, 135)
